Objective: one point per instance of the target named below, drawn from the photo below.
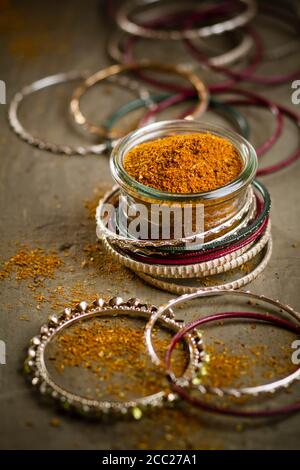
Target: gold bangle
(100, 130)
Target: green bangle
(239, 121)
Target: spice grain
(192, 163)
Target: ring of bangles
(128, 57)
(114, 70)
(237, 119)
(220, 265)
(36, 367)
(58, 79)
(178, 246)
(126, 24)
(244, 46)
(197, 384)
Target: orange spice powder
(192, 163)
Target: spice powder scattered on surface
(192, 163)
(114, 352)
(33, 264)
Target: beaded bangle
(250, 391)
(36, 368)
(123, 14)
(13, 113)
(184, 287)
(113, 70)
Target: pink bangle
(251, 101)
(218, 409)
(283, 110)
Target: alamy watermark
(296, 354)
(2, 353)
(2, 92)
(155, 221)
(296, 94)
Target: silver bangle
(13, 115)
(183, 287)
(40, 378)
(123, 14)
(236, 392)
(227, 58)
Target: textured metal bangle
(238, 221)
(203, 294)
(13, 114)
(207, 268)
(124, 13)
(283, 110)
(113, 70)
(135, 245)
(40, 377)
(114, 48)
(183, 287)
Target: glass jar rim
(179, 126)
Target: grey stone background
(42, 204)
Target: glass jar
(219, 206)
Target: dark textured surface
(42, 204)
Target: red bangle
(218, 409)
(283, 110)
(267, 145)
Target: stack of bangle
(179, 267)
